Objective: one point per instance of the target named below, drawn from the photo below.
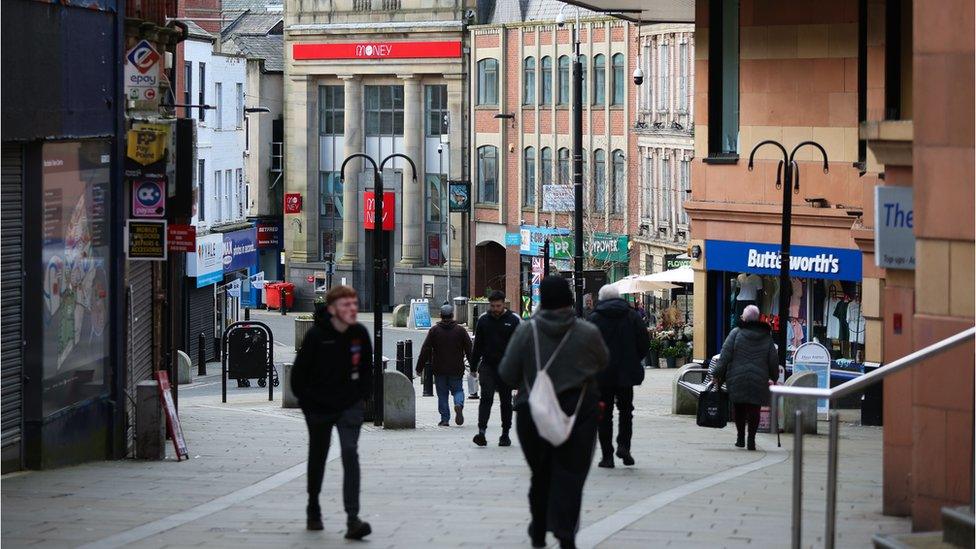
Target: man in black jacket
(491, 337)
(625, 335)
(446, 346)
(331, 378)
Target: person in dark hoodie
(332, 377)
(492, 334)
(558, 473)
(748, 363)
(446, 346)
(625, 335)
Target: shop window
(76, 260)
(546, 80)
(488, 82)
(384, 110)
(723, 80)
(619, 82)
(528, 177)
(599, 79)
(599, 181)
(618, 186)
(528, 81)
(826, 311)
(564, 80)
(330, 212)
(488, 174)
(332, 110)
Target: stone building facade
(374, 77)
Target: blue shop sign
(533, 237)
(240, 249)
(805, 261)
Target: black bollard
(283, 307)
(408, 358)
(217, 348)
(399, 357)
(428, 380)
(247, 313)
(202, 355)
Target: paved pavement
(244, 486)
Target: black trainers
(480, 440)
(357, 529)
(444, 423)
(752, 443)
(504, 440)
(606, 463)
(313, 518)
(625, 455)
(473, 397)
(740, 441)
(538, 539)
(459, 414)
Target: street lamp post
(379, 271)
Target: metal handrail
(858, 384)
(842, 390)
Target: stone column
(353, 128)
(413, 141)
(300, 123)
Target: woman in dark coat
(748, 363)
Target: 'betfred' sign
(377, 50)
(369, 210)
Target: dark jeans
(558, 473)
(491, 384)
(746, 413)
(348, 423)
(624, 397)
(446, 386)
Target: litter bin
(461, 310)
(272, 297)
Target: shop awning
(681, 275)
(637, 284)
(643, 11)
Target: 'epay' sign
(142, 72)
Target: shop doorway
(489, 268)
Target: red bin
(289, 290)
(272, 297)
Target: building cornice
(890, 141)
(767, 214)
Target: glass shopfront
(75, 261)
(825, 298)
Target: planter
(302, 326)
(672, 361)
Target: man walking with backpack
(554, 358)
(446, 346)
(332, 377)
(626, 337)
(491, 337)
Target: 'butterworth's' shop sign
(805, 261)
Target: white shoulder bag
(551, 422)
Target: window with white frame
(528, 177)
(219, 103)
(563, 98)
(684, 190)
(488, 82)
(219, 195)
(240, 105)
(664, 80)
(201, 190)
(545, 167)
(545, 98)
(618, 185)
(599, 79)
(582, 59)
(488, 174)
(240, 198)
(565, 172)
(664, 203)
(619, 82)
(599, 180)
(528, 81)
(228, 195)
(683, 75)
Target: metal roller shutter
(199, 319)
(11, 334)
(140, 337)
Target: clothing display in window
(770, 297)
(749, 287)
(833, 323)
(796, 299)
(855, 323)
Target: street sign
(172, 419)
(269, 235)
(558, 198)
(419, 314)
(459, 196)
(814, 357)
(293, 203)
(181, 238)
(369, 210)
(894, 226)
(142, 72)
(148, 198)
(145, 240)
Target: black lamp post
(379, 272)
(790, 177)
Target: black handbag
(713, 409)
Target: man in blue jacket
(491, 337)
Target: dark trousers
(624, 398)
(491, 384)
(348, 423)
(746, 413)
(558, 474)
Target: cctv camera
(638, 76)
(440, 148)
(560, 19)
